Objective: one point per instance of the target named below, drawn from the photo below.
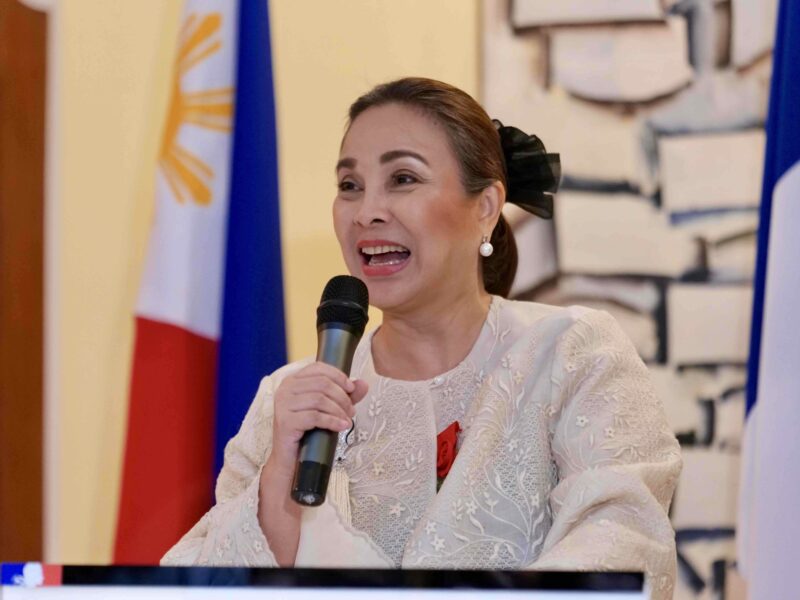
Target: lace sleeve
(229, 534)
(617, 459)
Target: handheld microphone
(341, 318)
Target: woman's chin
(391, 295)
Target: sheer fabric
(565, 461)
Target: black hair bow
(533, 174)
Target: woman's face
(405, 224)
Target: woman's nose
(372, 210)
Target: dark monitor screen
(166, 583)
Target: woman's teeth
(383, 249)
(385, 255)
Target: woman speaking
(486, 433)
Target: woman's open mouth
(383, 258)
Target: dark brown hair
(476, 145)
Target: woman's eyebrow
(395, 154)
(346, 163)
(350, 163)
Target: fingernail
(351, 386)
(344, 424)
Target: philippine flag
(769, 527)
(209, 320)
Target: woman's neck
(423, 344)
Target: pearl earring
(486, 248)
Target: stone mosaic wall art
(657, 108)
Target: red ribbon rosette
(446, 449)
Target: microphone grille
(345, 299)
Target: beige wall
(111, 63)
(107, 92)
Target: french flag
(209, 319)
(769, 524)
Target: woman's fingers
(324, 386)
(316, 396)
(332, 373)
(309, 419)
(318, 402)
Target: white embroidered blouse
(565, 462)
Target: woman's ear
(491, 203)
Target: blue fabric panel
(783, 151)
(253, 341)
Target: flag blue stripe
(253, 340)
(782, 151)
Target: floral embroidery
(375, 407)
(458, 509)
(581, 421)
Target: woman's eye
(404, 179)
(347, 186)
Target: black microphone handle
(335, 346)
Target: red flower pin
(446, 449)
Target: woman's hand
(318, 395)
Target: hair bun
(533, 174)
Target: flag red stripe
(52, 574)
(167, 474)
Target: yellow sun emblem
(185, 172)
